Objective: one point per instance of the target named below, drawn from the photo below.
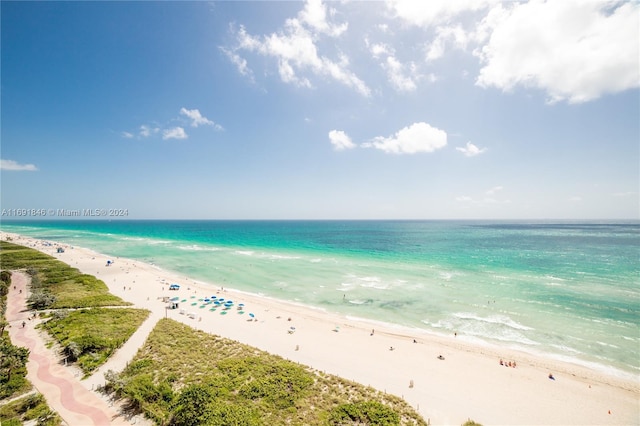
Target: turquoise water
(566, 289)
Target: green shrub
(365, 412)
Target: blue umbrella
(251, 315)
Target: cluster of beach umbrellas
(216, 302)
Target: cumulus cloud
(573, 50)
(197, 119)
(315, 15)
(14, 166)
(452, 34)
(418, 137)
(295, 49)
(470, 150)
(174, 133)
(340, 140)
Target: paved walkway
(61, 388)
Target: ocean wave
(609, 345)
(361, 302)
(493, 319)
(553, 278)
(281, 257)
(195, 247)
(245, 252)
(484, 330)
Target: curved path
(62, 390)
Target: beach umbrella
(251, 315)
(175, 299)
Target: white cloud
(464, 199)
(197, 119)
(470, 150)
(174, 133)
(448, 34)
(401, 77)
(379, 49)
(575, 199)
(127, 135)
(315, 15)
(493, 190)
(340, 140)
(240, 63)
(146, 131)
(433, 12)
(14, 166)
(295, 49)
(624, 194)
(419, 137)
(573, 50)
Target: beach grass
(182, 376)
(30, 409)
(90, 336)
(55, 284)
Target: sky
(321, 110)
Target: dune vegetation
(183, 376)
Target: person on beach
(23, 324)
(372, 331)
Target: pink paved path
(64, 392)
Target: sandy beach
(468, 383)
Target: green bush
(365, 412)
(13, 361)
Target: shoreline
(468, 383)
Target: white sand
(468, 383)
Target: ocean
(569, 290)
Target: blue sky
(322, 110)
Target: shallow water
(567, 289)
